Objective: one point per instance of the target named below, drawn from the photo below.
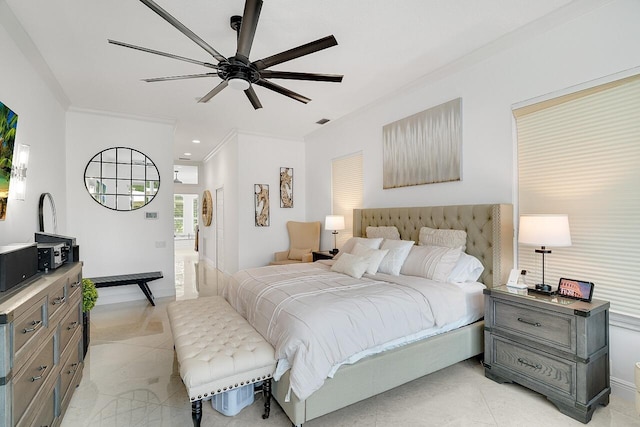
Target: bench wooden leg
(147, 292)
(196, 412)
(267, 398)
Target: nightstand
(321, 255)
(556, 346)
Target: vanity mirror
(122, 179)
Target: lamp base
(542, 288)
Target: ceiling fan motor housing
(235, 68)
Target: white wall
(261, 158)
(597, 44)
(41, 126)
(114, 242)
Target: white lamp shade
(544, 230)
(334, 222)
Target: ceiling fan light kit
(238, 71)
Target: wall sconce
(18, 182)
(335, 223)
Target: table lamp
(334, 223)
(544, 230)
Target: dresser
(556, 346)
(40, 347)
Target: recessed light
(196, 141)
(187, 154)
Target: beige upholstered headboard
(489, 231)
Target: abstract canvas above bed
(424, 148)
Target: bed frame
(489, 238)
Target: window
(178, 215)
(578, 154)
(346, 191)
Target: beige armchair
(304, 238)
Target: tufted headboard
(489, 231)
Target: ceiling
(382, 46)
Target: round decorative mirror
(122, 179)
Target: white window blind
(580, 155)
(346, 191)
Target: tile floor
(131, 380)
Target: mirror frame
(110, 179)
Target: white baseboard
(623, 389)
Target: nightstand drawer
(547, 371)
(546, 327)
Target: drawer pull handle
(75, 284)
(59, 300)
(39, 377)
(75, 368)
(73, 325)
(524, 362)
(35, 324)
(536, 324)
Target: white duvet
(317, 319)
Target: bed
(489, 238)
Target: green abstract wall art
(8, 126)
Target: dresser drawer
(27, 329)
(69, 325)
(29, 380)
(548, 371)
(71, 365)
(47, 414)
(546, 327)
(58, 298)
(75, 285)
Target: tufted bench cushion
(217, 349)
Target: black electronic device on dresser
(18, 262)
(70, 251)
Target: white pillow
(349, 244)
(354, 266)
(467, 269)
(373, 256)
(431, 262)
(442, 237)
(384, 232)
(398, 251)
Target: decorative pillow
(398, 251)
(431, 262)
(467, 269)
(384, 232)
(442, 237)
(349, 244)
(354, 266)
(297, 253)
(373, 256)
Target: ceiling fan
(238, 71)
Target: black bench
(140, 279)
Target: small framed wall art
(286, 187)
(261, 200)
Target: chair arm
(281, 256)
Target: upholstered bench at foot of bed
(218, 351)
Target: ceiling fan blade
(216, 90)
(168, 55)
(253, 98)
(248, 27)
(184, 30)
(296, 52)
(283, 91)
(188, 76)
(268, 74)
